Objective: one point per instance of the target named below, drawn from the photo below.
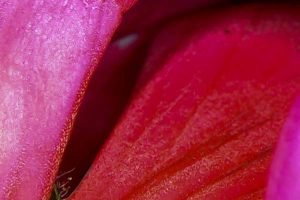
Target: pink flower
(188, 101)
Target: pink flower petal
(284, 180)
(48, 48)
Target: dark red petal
(146, 15)
(126, 4)
(47, 49)
(205, 122)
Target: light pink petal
(284, 183)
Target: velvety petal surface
(211, 101)
(48, 49)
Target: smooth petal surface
(48, 48)
(212, 99)
(284, 180)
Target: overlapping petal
(107, 95)
(201, 120)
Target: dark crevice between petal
(107, 95)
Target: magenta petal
(284, 181)
(47, 49)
